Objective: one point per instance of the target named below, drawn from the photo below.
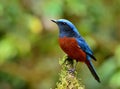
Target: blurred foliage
(8, 81)
(28, 41)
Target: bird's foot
(71, 71)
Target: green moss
(68, 79)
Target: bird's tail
(91, 68)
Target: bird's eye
(63, 23)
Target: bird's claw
(71, 71)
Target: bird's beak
(55, 21)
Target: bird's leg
(72, 65)
(73, 69)
(69, 59)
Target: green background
(29, 50)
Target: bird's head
(66, 28)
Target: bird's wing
(83, 45)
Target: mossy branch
(68, 76)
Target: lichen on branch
(68, 76)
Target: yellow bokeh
(35, 25)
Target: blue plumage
(69, 30)
(69, 36)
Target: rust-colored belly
(71, 47)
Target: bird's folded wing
(83, 45)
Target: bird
(74, 45)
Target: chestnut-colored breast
(70, 46)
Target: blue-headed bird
(73, 44)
